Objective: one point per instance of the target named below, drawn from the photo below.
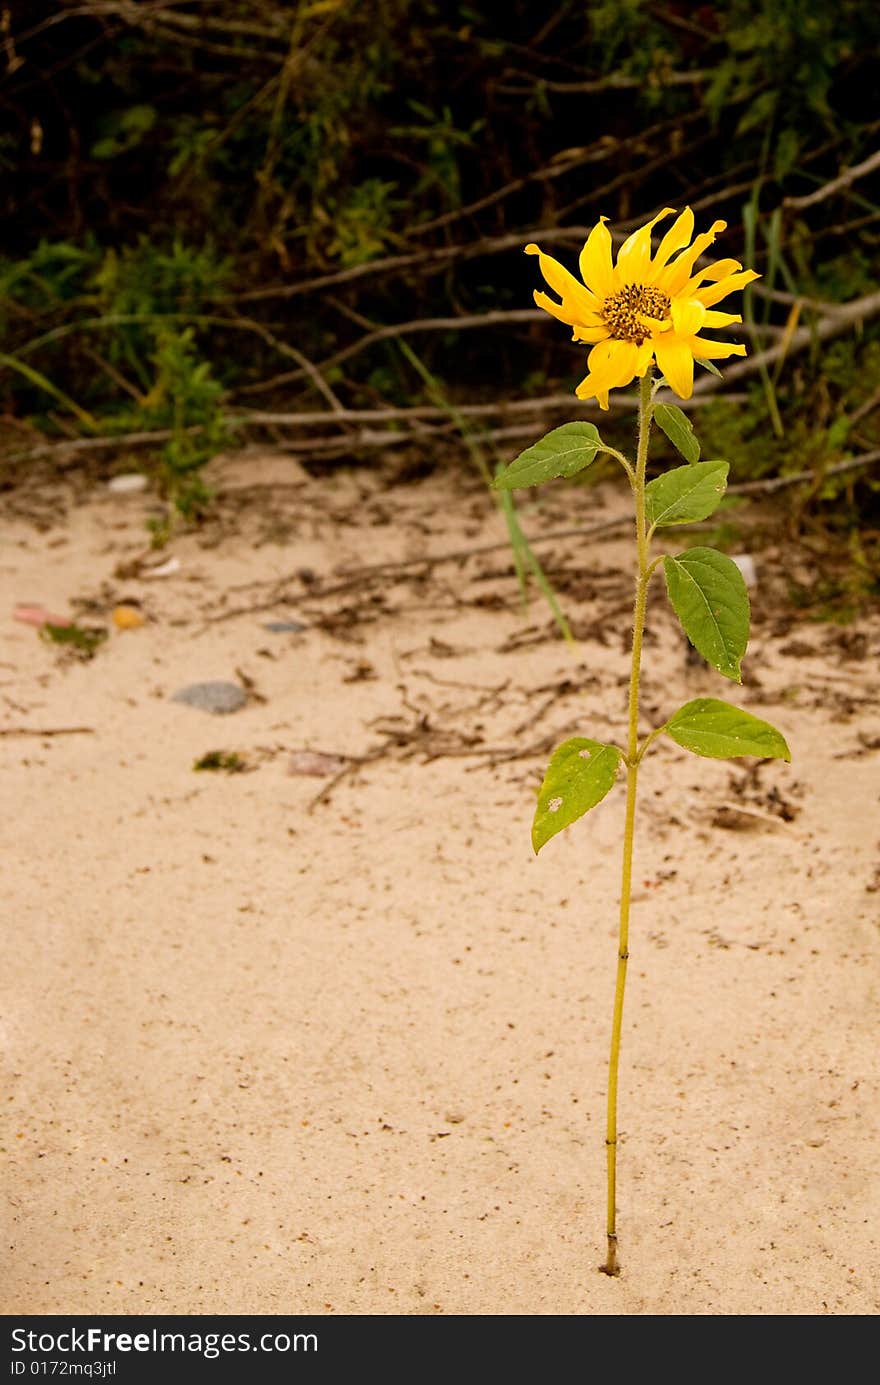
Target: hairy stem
(643, 577)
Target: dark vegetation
(303, 223)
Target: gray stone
(281, 627)
(219, 698)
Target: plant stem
(643, 577)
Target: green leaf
(710, 366)
(710, 727)
(578, 777)
(83, 639)
(679, 430)
(685, 493)
(710, 598)
(562, 452)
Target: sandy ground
(268, 1055)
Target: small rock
(128, 618)
(171, 565)
(127, 483)
(283, 627)
(219, 698)
(734, 819)
(314, 762)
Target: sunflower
(645, 307)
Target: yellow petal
(715, 350)
(719, 270)
(626, 361)
(654, 324)
(588, 321)
(555, 309)
(617, 364)
(674, 277)
(688, 316)
(676, 360)
(612, 364)
(591, 334)
(600, 357)
(713, 319)
(678, 235)
(595, 261)
(634, 256)
(576, 300)
(587, 389)
(713, 293)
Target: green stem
(643, 577)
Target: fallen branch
(47, 731)
(778, 483)
(354, 576)
(415, 411)
(440, 255)
(494, 318)
(57, 449)
(599, 151)
(320, 418)
(844, 180)
(542, 403)
(435, 324)
(845, 315)
(836, 319)
(616, 81)
(846, 228)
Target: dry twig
(844, 180)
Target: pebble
(314, 762)
(282, 627)
(127, 617)
(128, 483)
(165, 569)
(219, 698)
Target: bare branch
(833, 325)
(494, 318)
(47, 731)
(417, 414)
(616, 81)
(415, 411)
(563, 163)
(400, 329)
(844, 180)
(778, 483)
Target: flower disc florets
(623, 312)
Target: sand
(267, 1055)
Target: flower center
(624, 312)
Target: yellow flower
(645, 307)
